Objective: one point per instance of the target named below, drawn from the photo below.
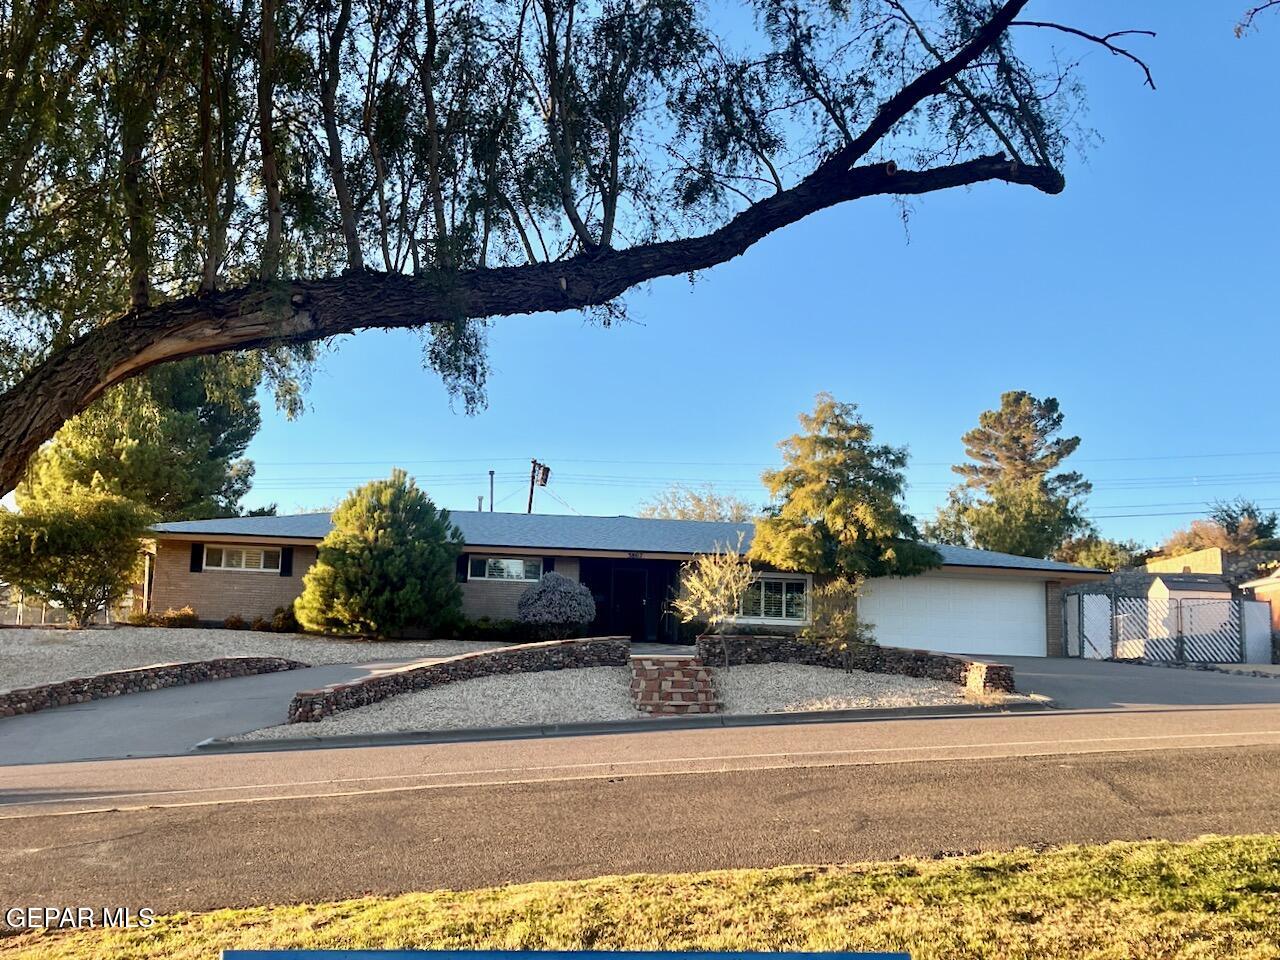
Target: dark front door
(630, 593)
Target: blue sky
(1144, 298)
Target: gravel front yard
(602, 693)
(33, 656)
(551, 696)
(788, 687)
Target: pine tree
(1011, 501)
(837, 503)
(388, 565)
(171, 440)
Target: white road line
(613, 770)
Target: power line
(728, 463)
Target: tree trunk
(267, 140)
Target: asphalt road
(171, 722)
(199, 832)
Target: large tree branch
(264, 314)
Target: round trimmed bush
(556, 606)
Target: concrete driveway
(1096, 684)
(163, 722)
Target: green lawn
(1216, 897)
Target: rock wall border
(137, 680)
(976, 676)
(309, 706)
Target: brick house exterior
(977, 602)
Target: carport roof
(541, 531)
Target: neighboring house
(977, 602)
(1234, 568)
(1267, 588)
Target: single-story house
(976, 602)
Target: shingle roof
(558, 532)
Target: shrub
(140, 618)
(712, 587)
(185, 617)
(833, 616)
(506, 632)
(261, 624)
(235, 622)
(284, 621)
(78, 549)
(388, 564)
(556, 606)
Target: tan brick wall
(496, 599)
(218, 594)
(1053, 618)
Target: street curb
(534, 731)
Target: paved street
(171, 722)
(203, 831)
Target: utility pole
(491, 491)
(539, 474)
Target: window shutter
(462, 568)
(197, 558)
(286, 561)
(548, 564)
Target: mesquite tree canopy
(183, 178)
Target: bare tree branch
(1103, 40)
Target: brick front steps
(672, 685)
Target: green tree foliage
(837, 502)
(1100, 553)
(1011, 500)
(79, 549)
(1243, 518)
(683, 502)
(171, 440)
(433, 164)
(388, 565)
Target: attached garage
(994, 615)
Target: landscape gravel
(550, 696)
(789, 687)
(30, 656)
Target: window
(776, 598)
(257, 559)
(506, 568)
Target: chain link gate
(1104, 627)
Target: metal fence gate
(1105, 627)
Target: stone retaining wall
(977, 676)
(119, 682)
(312, 705)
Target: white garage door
(958, 614)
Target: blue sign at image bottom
(553, 955)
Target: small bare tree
(713, 585)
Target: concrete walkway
(163, 722)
